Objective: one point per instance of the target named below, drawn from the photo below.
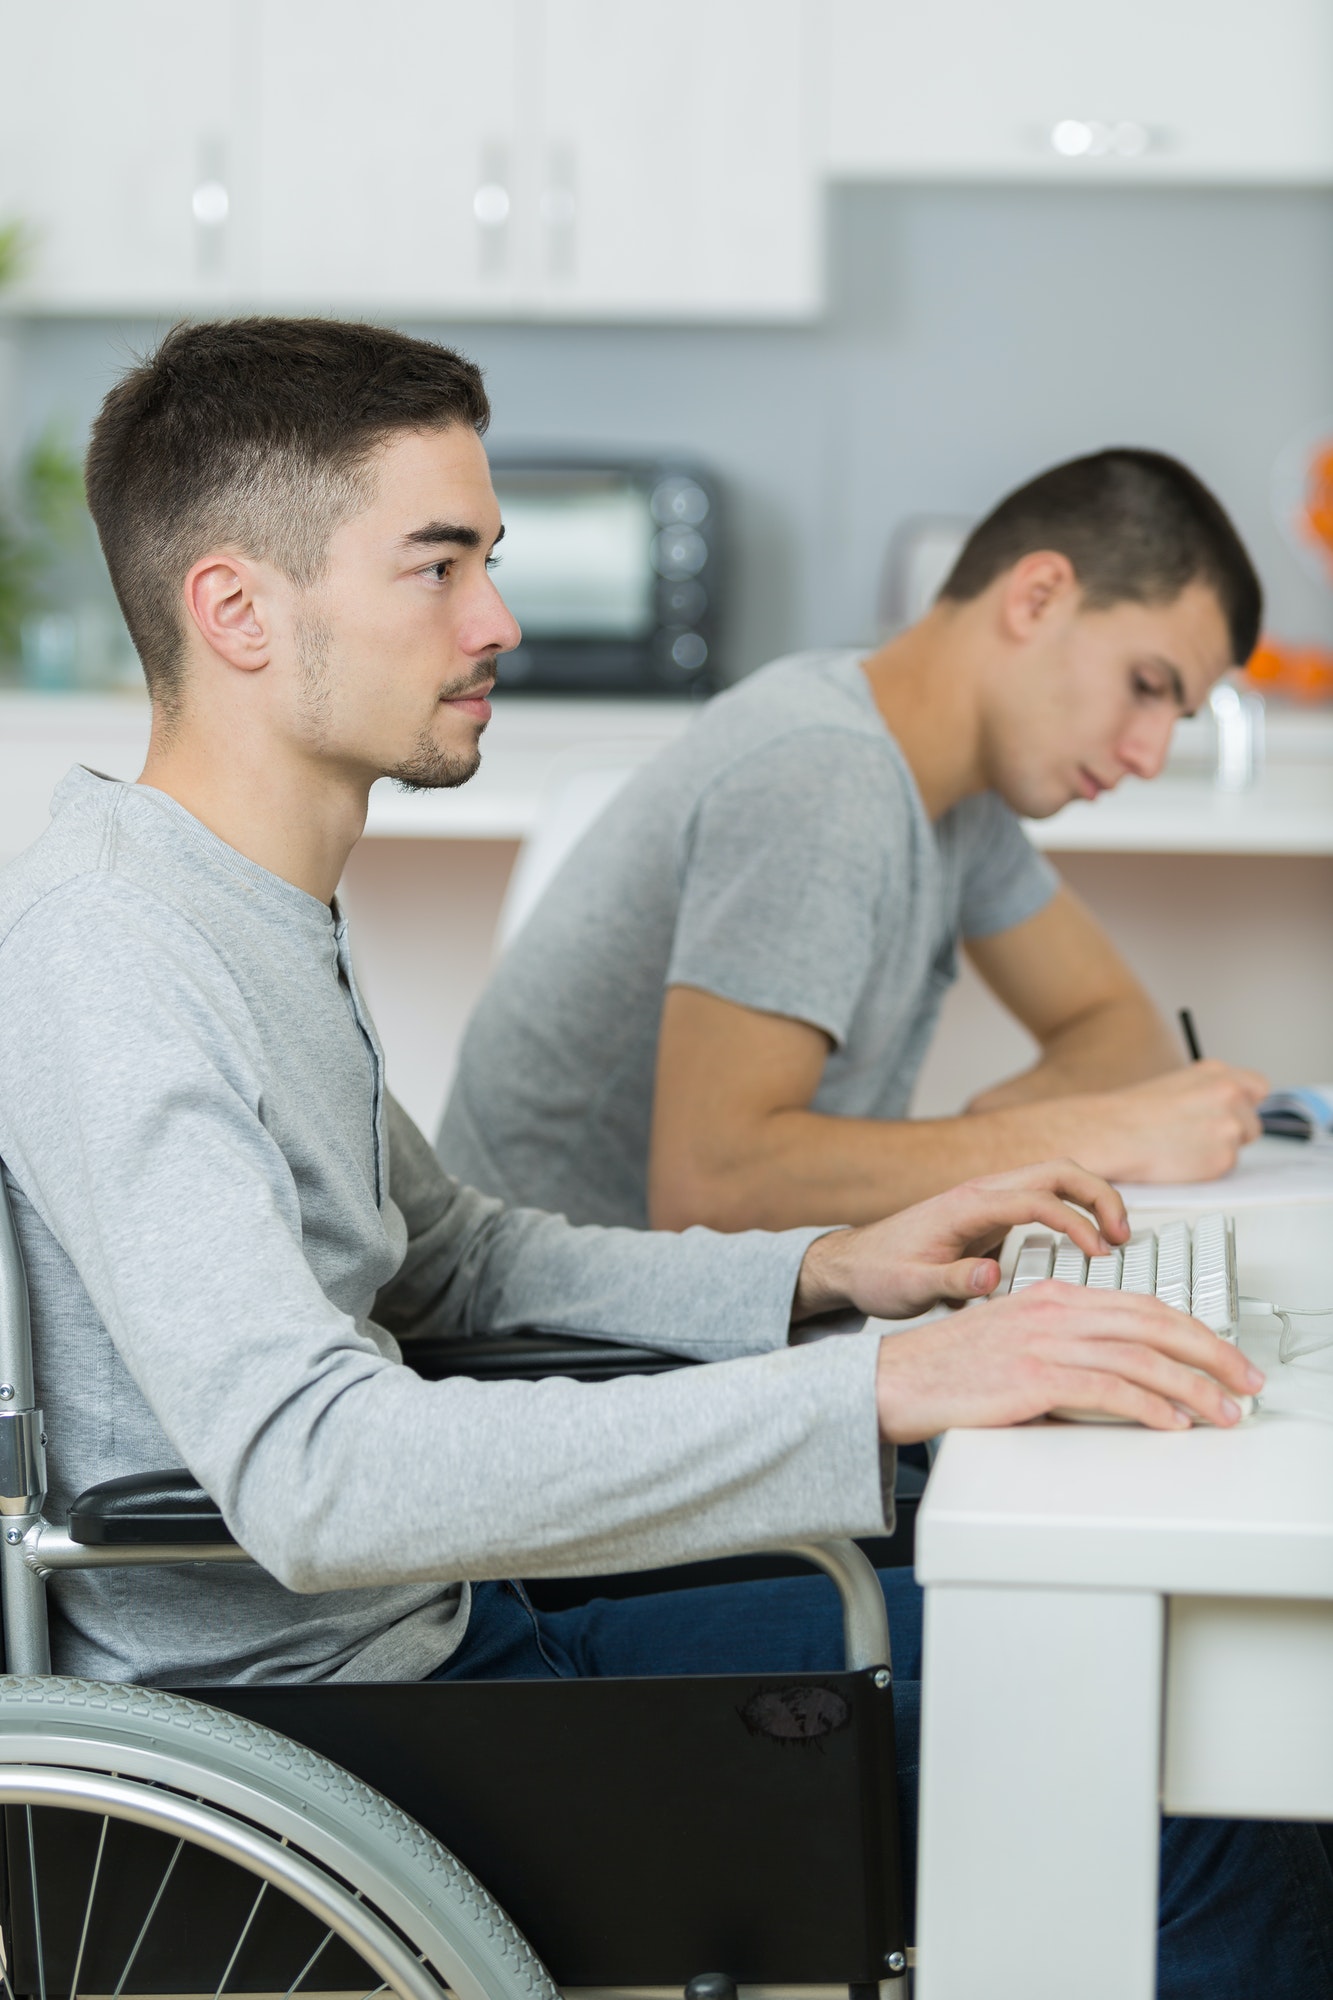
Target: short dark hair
(1136, 525)
(257, 433)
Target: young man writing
(718, 1011)
(229, 1226)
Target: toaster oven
(610, 565)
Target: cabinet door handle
(490, 205)
(558, 209)
(1096, 138)
(492, 210)
(210, 205)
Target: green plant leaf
(15, 244)
(51, 488)
(19, 581)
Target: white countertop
(533, 741)
(530, 743)
(1289, 812)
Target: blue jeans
(1246, 1906)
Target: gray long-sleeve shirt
(229, 1226)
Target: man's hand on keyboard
(942, 1250)
(1186, 1126)
(1059, 1347)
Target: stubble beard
(313, 642)
(432, 766)
(435, 767)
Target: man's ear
(1037, 586)
(221, 600)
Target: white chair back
(568, 809)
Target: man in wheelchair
(233, 1234)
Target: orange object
(1317, 517)
(1267, 662)
(1302, 673)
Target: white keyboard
(1193, 1268)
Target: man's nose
(492, 626)
(1143, 749)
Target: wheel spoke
(240, 1943)
(309, 1965)
(373, 1995)
(4, 1970)
(143, 1930)
(36, 1906)
(88, 1911)
(134, 1919)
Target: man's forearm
(770, 1172)
(852, 1170)
(1126, 1041)
(474, 1266)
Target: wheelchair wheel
(153, 1844)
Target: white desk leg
(1040, 1759)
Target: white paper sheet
(1271, 1170)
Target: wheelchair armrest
(530, 1355)
(148, 1508)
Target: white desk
(1120, 1622)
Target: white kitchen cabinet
(675, 169)
(570, 158)
(390, 156)
(1081, 91)
(116, 150)
(580, 158)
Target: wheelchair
(675, 1833)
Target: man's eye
(1146, 687)
(440, 570)
(493, 562)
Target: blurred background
(773, 297)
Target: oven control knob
(682, 603)
(679, 499)
(689, 652)
(680, 656)
(679, 553)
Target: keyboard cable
(1266, 1306)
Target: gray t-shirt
(229, 1228)
(778, 855)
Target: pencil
(1191, 1039)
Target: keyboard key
(1173, 1265)
(1212, 1287)
(1070, 1266)
(1139, 1270)
(1193, 1270)
(1034, 1262)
